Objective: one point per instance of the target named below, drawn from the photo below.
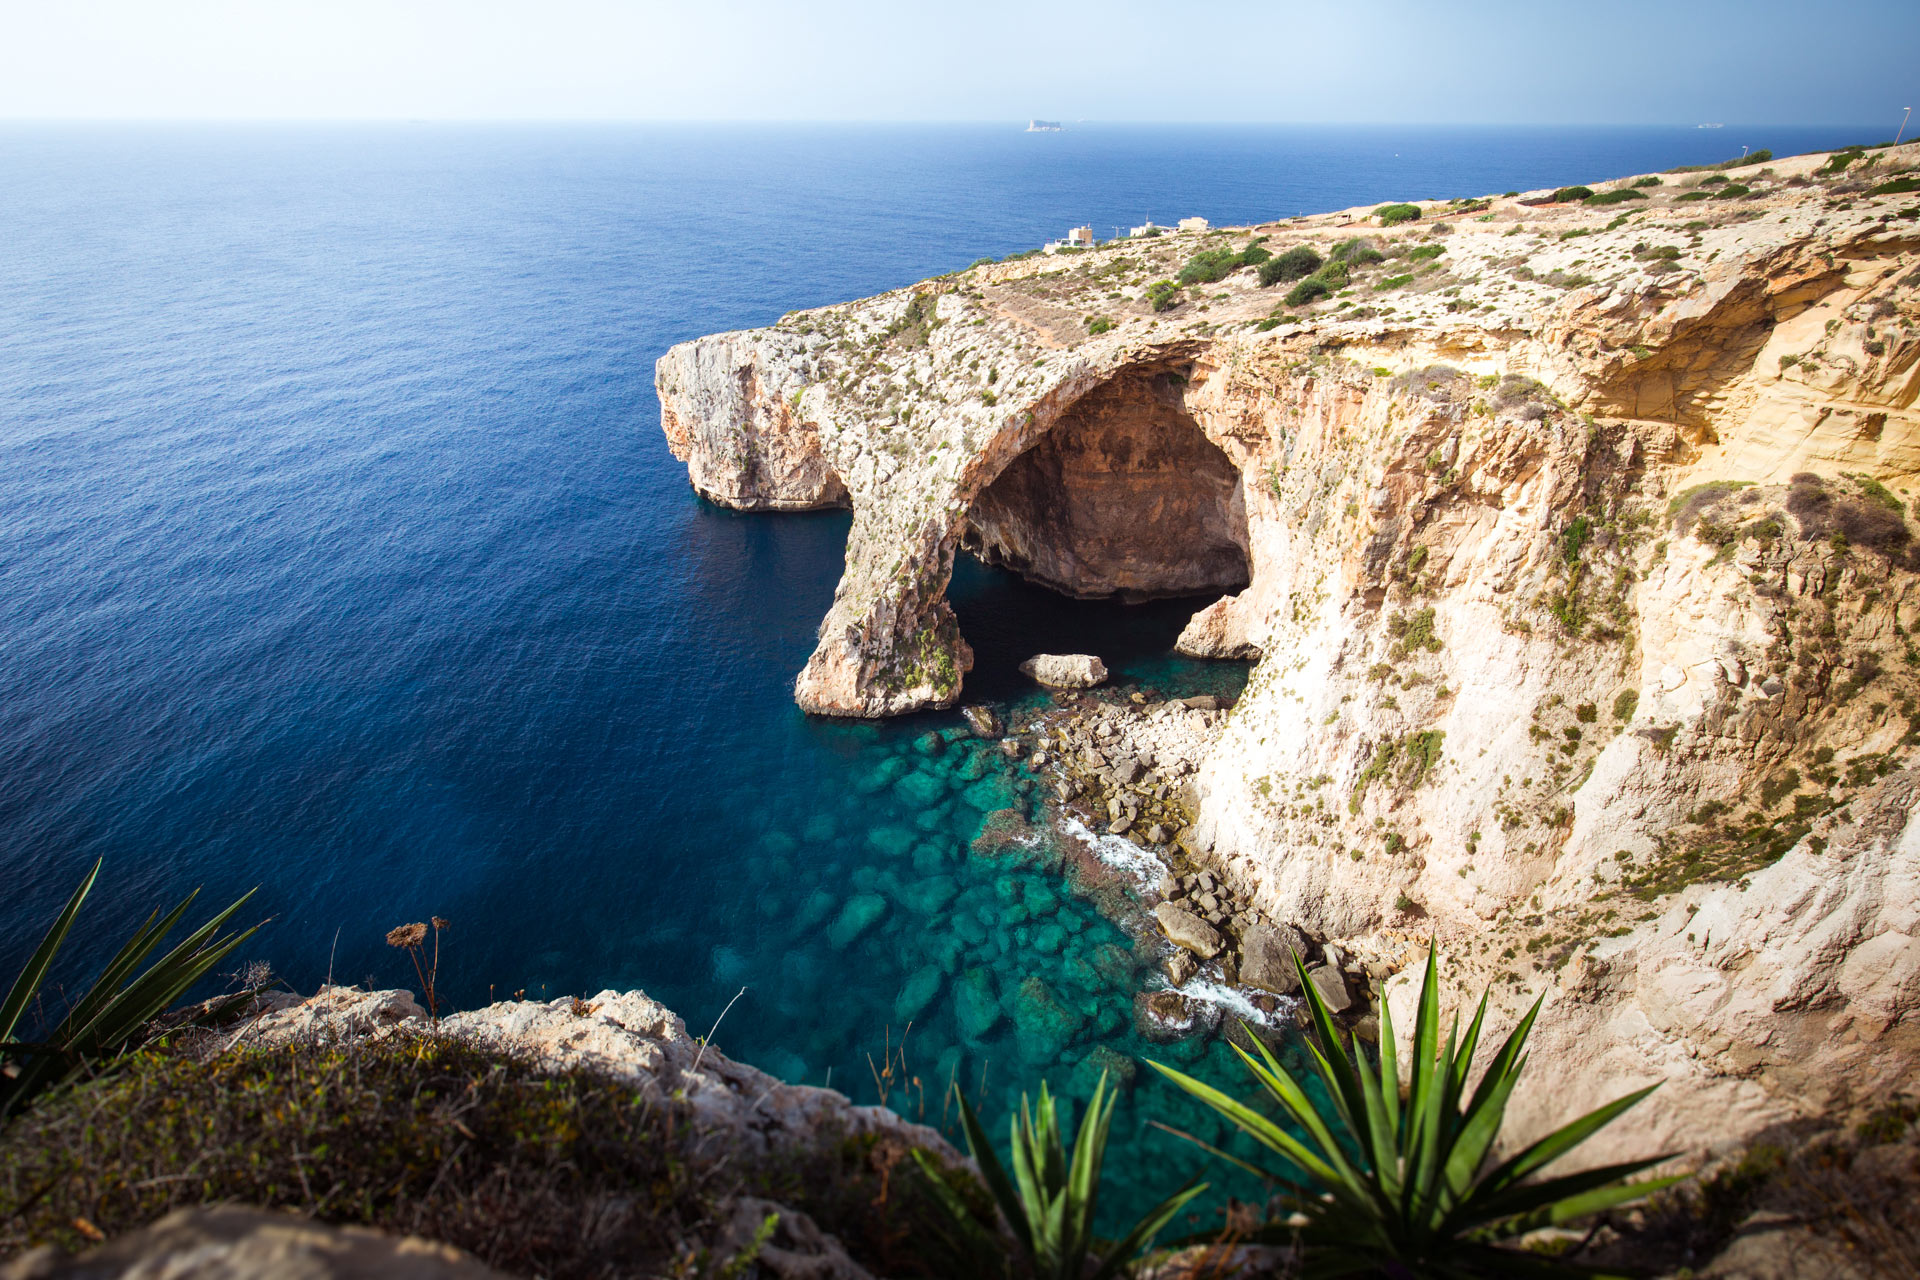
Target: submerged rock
(975, 1005)
(1065, 670)
(861, 913)
(918, 993)
(1046, 1025)
(1118, 1068)
(1003, 831)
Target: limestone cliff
(1573, 543)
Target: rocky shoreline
(1121, 765)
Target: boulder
(1045, 1023)
(917, 993)
(1332, 987)
(861, 913)
(230, 1242)
(1180, 966)
(1267, 952)
(1065, 670)
(1163, 1016)
(982, 721)
(1184, 929)
(975, 1006)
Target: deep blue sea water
(340, 554)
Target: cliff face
(1573, 548)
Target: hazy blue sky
(1230, 60)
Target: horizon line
(1008, 121)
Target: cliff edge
(1571, 537)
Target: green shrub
(1163, 295)
(1732, 192)
(1693, 195)
(1568, 195)
(534, 1171)
(1716, 180)
(1896, 186)
(1295, 264)
(1625, 703)
(1050, 1201)
(1099, 324)
(1409, 1184)
(1334, 273)
(1392, 215)
(1357, 252)
(1616, 196)
(1309, 290)
(112, 1016)
(1208, 266)
(1427, 251)
(1392, 282)
(1648, 182)
(1211, 265)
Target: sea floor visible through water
(895, 937)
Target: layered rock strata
(1577, 561)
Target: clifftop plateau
(1571, 537)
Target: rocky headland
(1570, 533)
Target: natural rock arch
(1123, 494)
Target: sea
(341, 556)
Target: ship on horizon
(1043, 126)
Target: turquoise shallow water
(341, 555)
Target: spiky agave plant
(112, 1014)
(1049, 1202)
(1407, 1186)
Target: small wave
(1119, 853)
(1236, 1002)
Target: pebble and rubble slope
(1573, 542)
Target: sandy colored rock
(1185, 929)
(1267, 955)
(1065, 670)
(231, 1242)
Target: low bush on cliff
(1862, 520)
(1392, 215)
(1163, 295)
(1568, 195)
(533, 1171)
(1617, 196)
(1407, 1183)
(1210, 265)
(1295, 264)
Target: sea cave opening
(1104, 536)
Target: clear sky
(1443, 61)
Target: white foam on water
(1119, 853)
(1146, 867)
(1235, 1002)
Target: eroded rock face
(1554, 639)
(1124, 496)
